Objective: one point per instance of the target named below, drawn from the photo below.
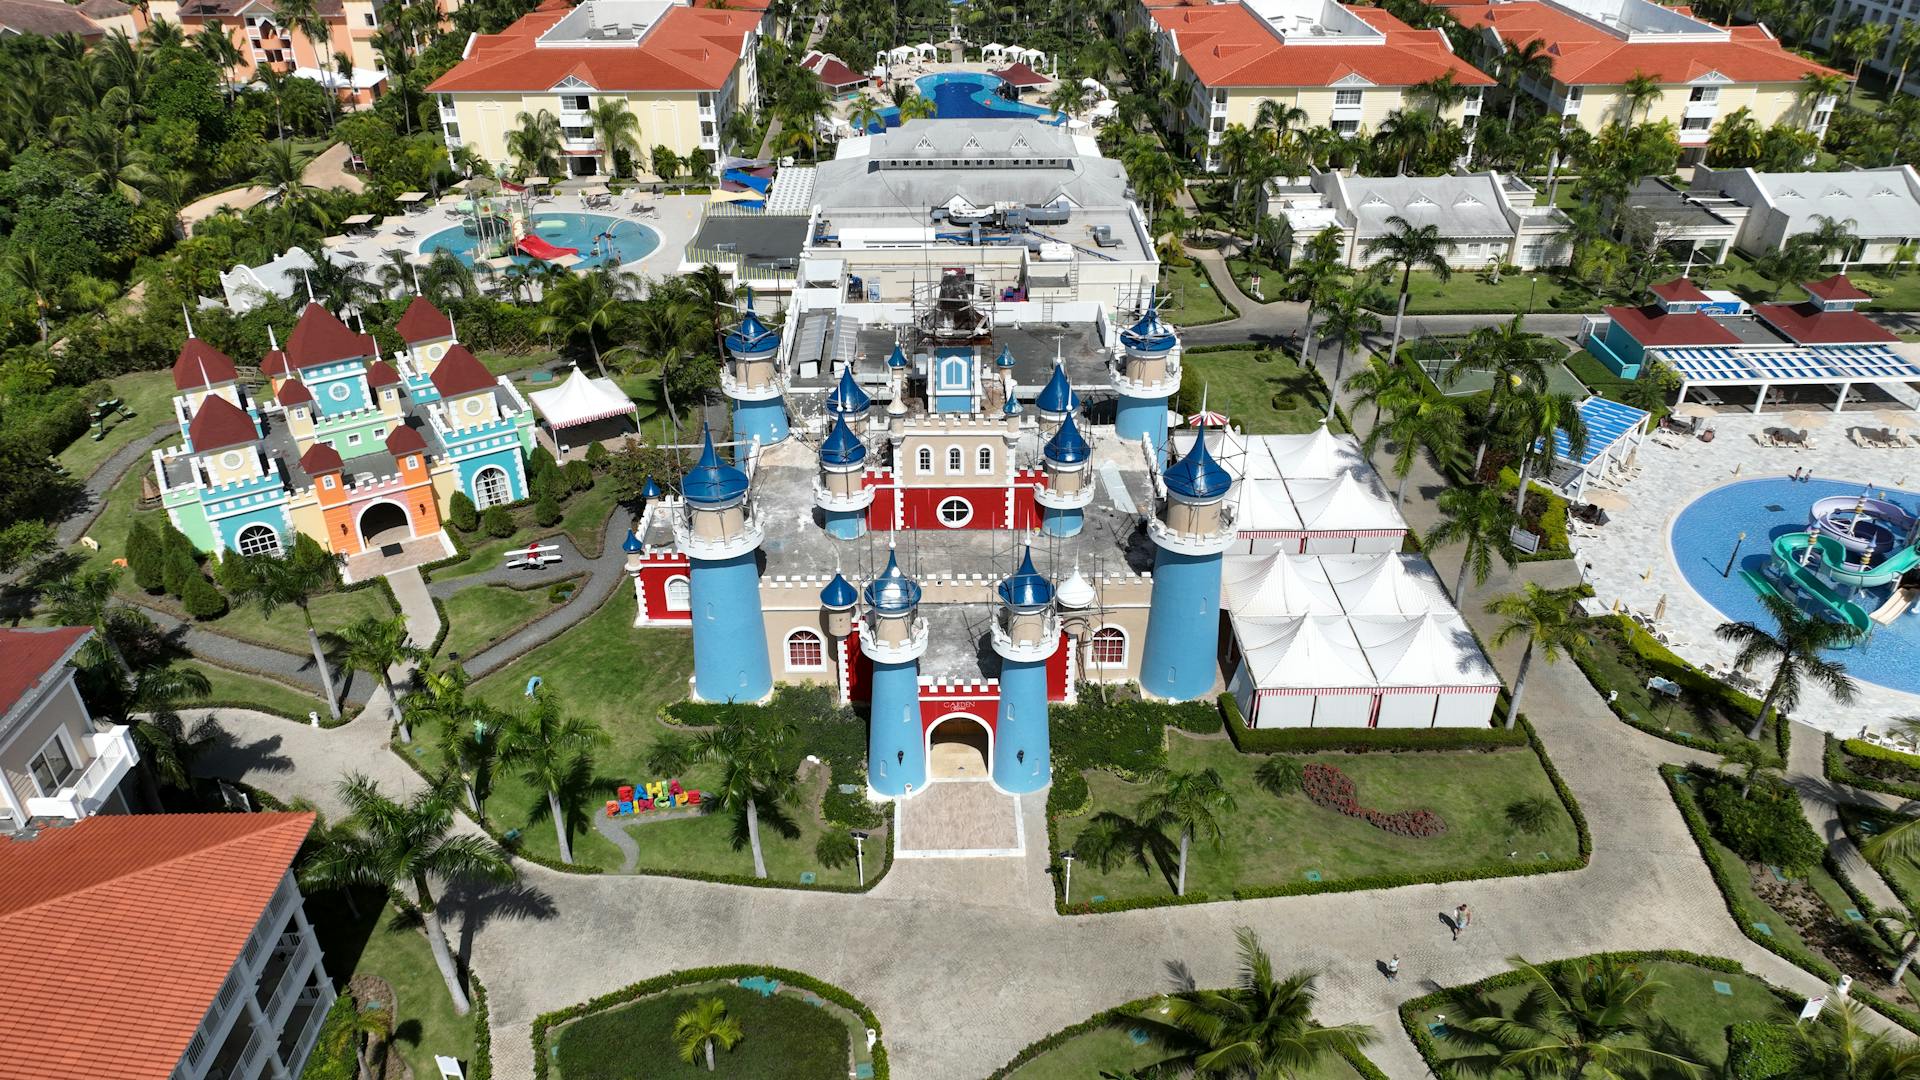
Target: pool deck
(676, 220)
(1632, 560)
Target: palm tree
(1276, 119)
(618, 130)
(754, 768)
(1517, 361)
(1522, 62)
(1840, 1046)
(1379, 382)
(1421, 423)
(1751, 760)
(1903, 930)
(24, 270)
(1819, 86)
(1861, 42)
(1831, 237)
(585, 304)
(863, 113)
(148, 699)
(1537, 417)
(1261, 1026)
(1545, 618)
(270, 582)
(1193, 801)
(1408, 248)
(1639, 89)
(1348, 321)
(553, 749)
(916, 107)
(214, 42)
(1479, 517)
(535, 143)
(1566, 1026)
(698, 1029)
(371, 1028)
(404, 847)
(304, 16)
(1905, 49)
(1794, 647)
(376, 646)
(279, 172)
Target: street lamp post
(1531, 289)
(1067, 857)
(1728, 569)
(860, 854)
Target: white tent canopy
(993, 51)
(1430, 669)
(1303, 651)
(1279, 585)
(581, 400)
(1346, 504)
(1315, 456)
(1384, 584)
(1265, 506)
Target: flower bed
(1329, 787)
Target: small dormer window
(327, 482)
(413, 462)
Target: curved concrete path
(604, 574)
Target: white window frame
(1346, 127)
(940, 512)
(678, 591)
(339, 391)
(506, 488)
(956, 460)
(66, 748)
(923, 459)
(984, 459)
(1110, 632)
(817, 640)
(353, 438)
(1348, 97)
(240, 541)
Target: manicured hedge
(1359, 740)
(1690, 678)
(1761, 1050)
(542, 1057)
(1113, 731)
(1841, 770)
(335, 1054)
(480, 1066)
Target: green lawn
(1273, 279)
(477, 618)
(784, 1038)
(1104, 1050)
(619, 676)
(1469, 290)
(150, 395)
(248, 690)
(1696, 1014)
(583, 519)
(377, 944)
(285, 629)
(1190, 297)
(1272, 840)
(1696, 718)
(1260, 390)
(1891, 291)
(118, 511)
(509, 363)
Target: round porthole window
(230, 459)
(473, 406)
(955, 512)
(339, 391)
(435, 352)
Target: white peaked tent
(581, 400)
(1347, 515)
(1304, 671)
(993, 51)
(1430, 670)
(1385, 584)
(1266, 507)
(1318, 455)
(1278, 585)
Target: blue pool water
(574, 230)
(967, 95)
(1703, 536)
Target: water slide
(1787, 553)
(531, 244)
(760, 184)
(1887, 523)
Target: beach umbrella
(1808, 418)
(1696, 410)
(1660, 609)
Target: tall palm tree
(1831, 237)
(863, 113)
(1194, 802)
(916, 107)
(1479, 517)
(1262, 1026)
(1639, 89)
(304, 16)
(1409, 248)
(1819, 86)
(552, 749)
(271, 582)
(1348, 321)
(1591, 1025)
(1520, 63)
(534, 143)
(148, 700)
(618, 130)
(25, 271)
(1517, 361)
(1379, 382)
(1840, 1046)
(469, 730)
(214, 42)
(1276, 119)
(585, 304)
(1536, 418)
(703, 1026)
(404, 847)
(1751, 761)
(1905, 49)
(1794, 647)
(1420, 423)
(1861, 42)
(754, 768)
(1545, 618)
(1902, 928)
(279, 171)
(376, 646)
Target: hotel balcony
(114, 755)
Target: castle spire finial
(188, 316)
(273, 342)
(308, 278)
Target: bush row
(1862, 764)
(1761, 1050)
(544, 1022)
(480, 1067)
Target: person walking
(1393, 968)
(1462, 918)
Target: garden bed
(1708, 715)
(478, 619)
(1864, 765)
(384, 943)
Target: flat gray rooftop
(1034, 346)
(761, 240)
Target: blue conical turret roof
(1057, 396)
(847, 397)
(1027, 588)
(842, 447)
(838, 594)
(893, 592)
(711, 481)
(650, 490)
(632, 545)
(752, 335)
(1005, 359)
(1197, 476)
(1012, 407)
(1068, 446)
(898, 357)
(1148, 334)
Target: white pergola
(1804, 365)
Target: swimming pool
(1703, 537)
(968, 95)
(633, 240)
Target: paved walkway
(329, 169)
(240, 199)
(102, 479)
(604, 574)
(1821, 800)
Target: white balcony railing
(1187, 543)
(580, 145)
(114, 756)
(829, 500)
(1010, 649)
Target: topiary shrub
(179, 571)
(1330, 788)
(546, 511)
(835, 849)
(597, 456)
(579, 474)
(145, 558)
(202, 600)
(234, 574)
(461, 512)
(497, 521)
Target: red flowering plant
(1329, 787)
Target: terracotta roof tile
(321, 458)
(688, 49)
(180, 895)
(32, 654)
(294, 392)
(1837, 287)
(460, 372)
(321, 338)
(423, 322)
(218, 424)
(199, 365)
(405, 440)
(1653, 327)
(1227, 45)
(1021, 75)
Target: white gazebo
(993, 51)
(582, 411)
(1384, 584)
(1280, 584)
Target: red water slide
(540, 249)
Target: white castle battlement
(954, 424)
(941, 686)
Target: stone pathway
(102, 480)
(328, 169)
(1821, 800)
(604, 574)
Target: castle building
(339, 443)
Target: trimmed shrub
(579, 474)
(202, 600)
(232, 573)
(498, 522)
(1767, 826)
(546, 511)
(540, 460)
(145, 558)
(597, 456)
(172, 541)
(461, 513)
(1328, 787)
(335, 1050)
(1761, 1050)
(179, 572)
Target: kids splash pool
(1859, 559)
(967, 95)
(629, 239)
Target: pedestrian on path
(1393, 968)
(1462, 918)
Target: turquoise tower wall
(846, 524)
(1059, 521)
(729, 635)
(765, 420)
(896, 745)
(1137, 416)
(1020, 738)
(1183, 626)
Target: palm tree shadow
(478, 905)
(226, 757)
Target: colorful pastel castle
(937, 508)
(341, 444)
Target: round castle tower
(720, 533)
(1146, 374)
(1069, 482)
(751, 377)
(838, 492)
(894, 637)
(1026, 633)
(1191, 527)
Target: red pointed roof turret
(423, 322)
(218, 424)
(460, 372)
